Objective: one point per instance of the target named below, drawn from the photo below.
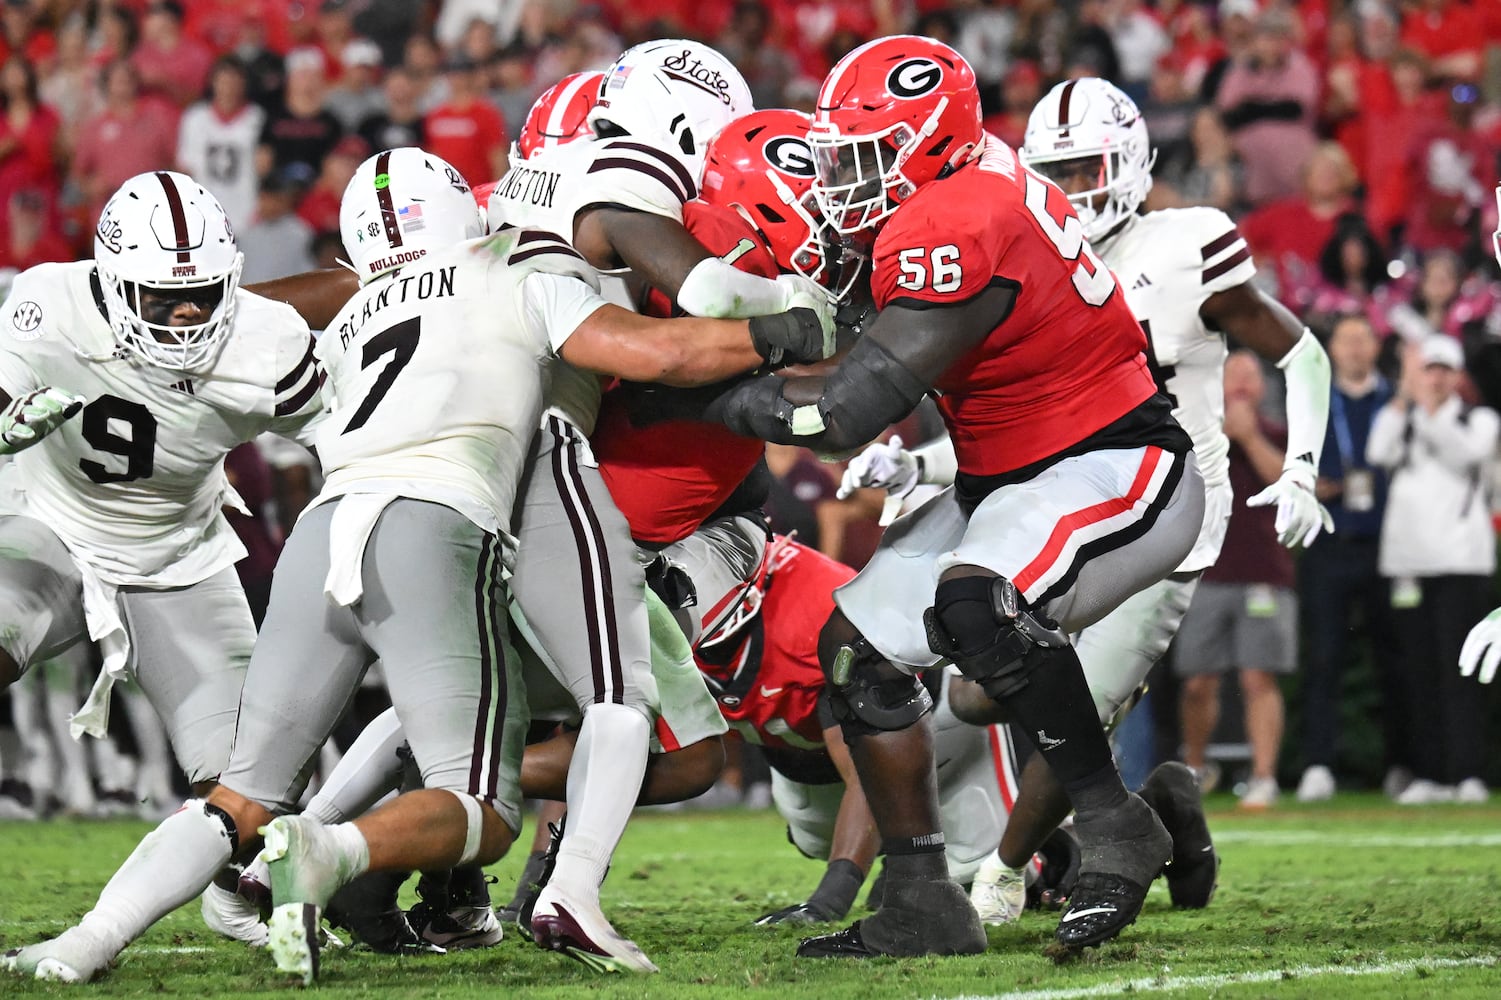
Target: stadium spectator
(987, 31)
(333, 33)
(29, 133)
(1444, 300)
(1338, 578)
(1211, 176)
(1140, 41)
(319, 208)
(457, 17)
(217, 138)
(23, 32)
(267, 69)
(171, 65)
(278, 242)
(32, 234)
(1438, 552)
(357, 96)
(115, 36)
(467, 130)
(513, 83)
(1269, 100)
(1397, 117)
(752, 41)
(1020, 89)
(399, 121)
(1090, 51)
(1169, 109)
(1350, 278)
(1450, 34)
(128, 137)
(1289, 236)
(219, 23)
(302, 131)
(69, 87)
(1453, 176)
(424, 60)
(1244, 615)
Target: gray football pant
(433, 613)
(189, 646)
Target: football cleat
(368, 909)
(917, 917)
(233, 916)
(75, 956)
(1193, 874)
(307, 867)
(1122, 851)
(456, 916)
(999, 892)
(581, 931)
(533, 889)
(527, 886)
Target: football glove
(798, 913)
(1482, 649)
(885, 466)
(1300, 516)
(805, 293)
(33, 416)
(832, 899)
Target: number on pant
(400, 341)
(1092, 279)
(120, 427)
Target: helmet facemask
(859, 179)
(1113, 193)
(140, 315)
(822, 257)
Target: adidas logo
(185, 386)
(1142, 281)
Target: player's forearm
(855, 837)
(316, 295)
(1306, 369)
(685, 352)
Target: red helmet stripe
(179, 216)
(561, 103)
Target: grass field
(1352, 898)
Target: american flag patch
(617, 77)
(410, 217)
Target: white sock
(604, 779)
(368, 771)
(170, 866)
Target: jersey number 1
(400, 341)
(1092, 279)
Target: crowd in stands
(1356, 142)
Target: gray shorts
(433, 613)
(189, 646)
(1118, 651)
(1234, 626)
(579, 583)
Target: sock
(353, 848)
(609, 762)
(1056, 713)
(367, 772)
(170, 866)
(916, 857)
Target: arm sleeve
(940, 465)
(1384, 446)
(1459, 445)
(717, 290)
(555, 305)
(1306, 369)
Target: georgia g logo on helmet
(790, 155)
(914, 77)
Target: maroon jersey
(667, 478)
(1069, 358)
(766, 676)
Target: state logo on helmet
(401, 205)
(1089, 138)
(163, 240)
(561, 114)
(672, 93)
(891, 116)
(761, 166)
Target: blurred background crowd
(1356, 142)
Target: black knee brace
(982, 624)
(868, 695)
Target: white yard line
(1341, 841)
(1167, 984)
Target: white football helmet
(162, 232)
(673, 94)
(400, 205)
(1090, 124)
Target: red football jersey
(1069, 358)
(768, 686)
(668, 477)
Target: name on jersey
(530, 185)
(427, 285)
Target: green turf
(1355, 886)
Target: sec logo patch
(26, 321)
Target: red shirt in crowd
(32, 162)
(178, 76)
(1289, 229)
(1455, 29)
(114, 148)
(465, 137)
(50, 248)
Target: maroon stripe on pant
(502, 693)
(607, 587)
(562, 442)
(482, 622)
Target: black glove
(830, 901)
(793, 337)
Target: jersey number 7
(400, 341)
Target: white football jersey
(134, 484)
(544, 194)
(437, 373)
(1168, 262)
(219, 153)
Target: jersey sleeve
(1223, 259)
(299, 377)
(726, 236)
(920, 261)
(555, 305)
(638, 177)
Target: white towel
(348, 533)
(101, 611)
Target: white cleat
(233, 916)
(1317, 784)
(75, 956)
(306, 867)
(580, 931)
(998, 893)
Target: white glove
(805, 293)
(886, 466)
(1482, 648)
(1300, 516)
(33, 416)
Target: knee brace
(982, 624)
(868, 695)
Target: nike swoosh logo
(1206, 848)
(767, 692)
(1070, 917)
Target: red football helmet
(760, 166)
(561, 114)
(892, 115)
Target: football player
(1187, 275)
(401, 557)
(1076, 487)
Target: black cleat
(877, 891)
(1121, 851)
(368, 910)
(1193, 874)
(1060, 871)
(454, 912)
(528, 903)
(1101, 906)
(917, 917)
(841, 944)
